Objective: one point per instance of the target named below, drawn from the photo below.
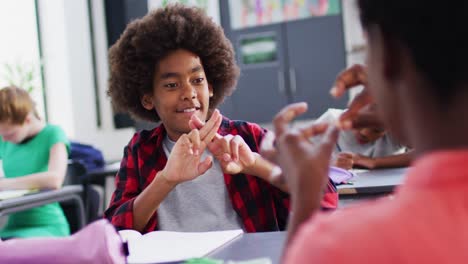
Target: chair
(76, 173)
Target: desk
(380, 181)
(28, 201)
(253, 245)
(370, 185)
(98, 176)
(105, 178)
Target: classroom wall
(354, 37)
(69, 76)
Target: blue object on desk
(338, 175)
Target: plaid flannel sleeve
(120, 211)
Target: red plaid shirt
(260, 205)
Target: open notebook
(168, 246)
(8, 194)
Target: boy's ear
(210, 88)
(147, 102)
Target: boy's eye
(171, 85)
(198, 80)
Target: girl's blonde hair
(15, 105)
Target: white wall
(69, 77)
(354, 37)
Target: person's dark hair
(436, 34)
(146, 41)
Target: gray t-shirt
(199, 205)
(384, 146)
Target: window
(19, 49)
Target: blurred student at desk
(369, 147)
(34, 156)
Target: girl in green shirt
(34, 155)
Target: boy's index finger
(196, 122)
(210, 130)
(286, 115)
(353, 76)
(211, 134)
(213, 123)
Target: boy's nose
(188, 92)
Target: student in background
(369, 147)
(418, 77)
(34, 155)
(176, 66)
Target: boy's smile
(188, 110)
(180, 90)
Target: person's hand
(349, 78)
(364, 161)
(184, 162)
(304, 164)
(233, 154)
(344, 160)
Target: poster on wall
(250, 13)
(211, 7)
(258, 49)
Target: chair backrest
(75, 173)
(92, 198)
(76, 170)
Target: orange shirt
(426, 221)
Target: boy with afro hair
(175, 66)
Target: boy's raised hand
(184, 163)
(349, 78)
(233, 154)
(304, 164)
